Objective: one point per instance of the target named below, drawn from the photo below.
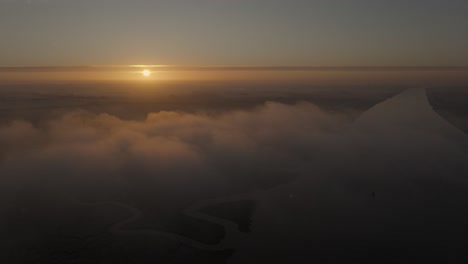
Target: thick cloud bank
(184, 153)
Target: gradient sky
(234, 32)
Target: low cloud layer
(83, 151)
(306, 161)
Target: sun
(146, 73)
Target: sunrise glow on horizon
(146, 73)
(233, 131)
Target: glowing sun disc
(146, 73)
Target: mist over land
(208, 131)
(237, 171)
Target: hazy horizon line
(104, 68)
